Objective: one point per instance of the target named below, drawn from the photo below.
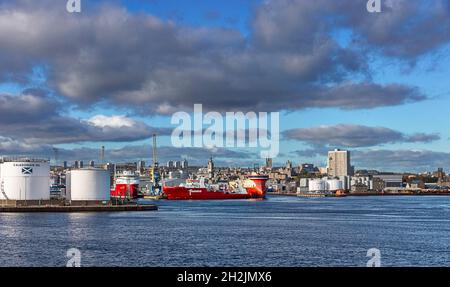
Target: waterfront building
(303, 185)
(359, 188)
(361, 181)
(346, 181)
(339, 163)
(378, 184)
(390, 180)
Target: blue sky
(188, 51)
(233, 14)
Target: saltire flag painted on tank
(27, 170)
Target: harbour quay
(25, 188)
(76, 208)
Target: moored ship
(126, 186)
(253, 187)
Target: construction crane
(154, 171)
(154, 152)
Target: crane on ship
(154, 171)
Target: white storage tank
(24, 179)
(334, 184)
(89, 184)
(316, 185)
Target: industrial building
(390, 180)
(361, 184)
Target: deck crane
(154, 171)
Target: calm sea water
(280, 231)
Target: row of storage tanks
(320, 184)
(30, 180)
(333, 184)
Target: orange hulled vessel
(253, 187)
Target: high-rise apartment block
(339, 163)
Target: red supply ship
(126, 186)
(253, 187)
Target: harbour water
(279, 231)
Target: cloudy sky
(112, 75)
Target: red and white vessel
(253, 187)
(126, 186)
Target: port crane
(154, 171)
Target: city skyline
(371, 83)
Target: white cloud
(119, 121)
(159, 66)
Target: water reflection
(281, 231)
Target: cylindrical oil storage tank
(334, 184)
(89, 184)
(25, 179)
(316, 185)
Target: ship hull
(125, 191)
(257, 189)
(184, 193)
